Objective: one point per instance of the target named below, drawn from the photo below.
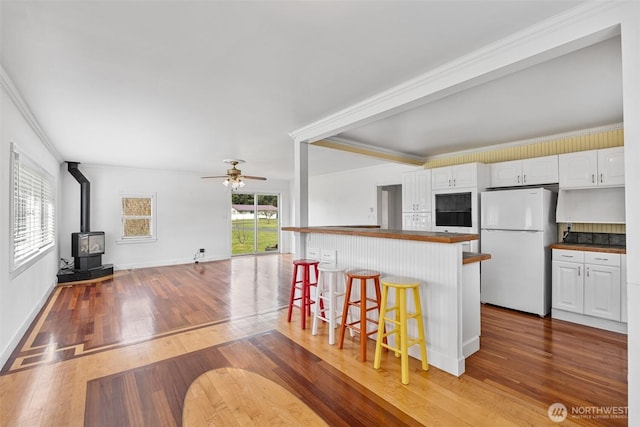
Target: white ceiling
(182, 85)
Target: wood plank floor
(162, 327)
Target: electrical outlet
(201, 250)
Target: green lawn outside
(242, 235)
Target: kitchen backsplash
(604, 239)
(591, 228)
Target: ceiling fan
(234, 175)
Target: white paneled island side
(450, 280)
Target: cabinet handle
(593, 178)
(601, 178)
(454, 182)
(579, 268)
(588, 271)
(524, 179)
(518, 180)
(567, 256)
(449, 183)
(602, 259)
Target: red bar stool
(304, 286)
(362, 303)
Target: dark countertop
(590, 247)
(422, 236)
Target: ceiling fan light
(226, 182)
(241, 183)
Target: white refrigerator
(516, 229)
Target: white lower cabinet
(568, 286)
(587, 288)
(416, 221)
(602, 291)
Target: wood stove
(87, 246)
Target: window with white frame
(33, 210)
(138, 217)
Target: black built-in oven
(453, 209)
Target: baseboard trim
(20, 333)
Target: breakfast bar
(449, 276)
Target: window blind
(33, 210)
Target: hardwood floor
(125, 351)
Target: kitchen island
(450, 278)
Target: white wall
(21, 296)
(192, 213)
(350, 197)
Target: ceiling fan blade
(217, 176)
(261, 178)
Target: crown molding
(20, 103)
(537, 140)
(351, 146)
(584, 25)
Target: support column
(301, 194)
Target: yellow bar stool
(399, 318)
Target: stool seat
(363, 274)
(304, 287)
(364, 304)
(400, 321)
(330, 268)
(305, 261)
(400, 282)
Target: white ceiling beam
(579, 27)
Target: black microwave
(453, 209)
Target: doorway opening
(255, 223)
(390, 207)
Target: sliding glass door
(255, 223)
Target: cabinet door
(408, 221)
(578, 169)
(423, 190)
(602, 291)
(408, 192)
(540, 170)
(567, 286)
(611, 166)
(464, 176)
(422, 222)
(506, 174)
(441, 178)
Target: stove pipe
(85, 195)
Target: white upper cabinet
(540, 170)
(458, 176)
(535, 171)
(416, 191)
(611, 166)
(594, 168)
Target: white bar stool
(328, 290)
